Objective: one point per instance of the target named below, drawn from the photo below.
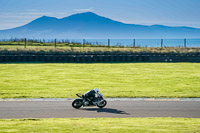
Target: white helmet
(96, 90)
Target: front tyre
(102, 104)
(77, 103)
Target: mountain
(90, 25)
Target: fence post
(55, 43)
(25, 43)
(133, 42)
(185, 43)
(108, 42)
(83, 42)
(161, 43)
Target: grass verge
(115, 125)
(161, 80)
(9, 49)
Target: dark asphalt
(63, 109)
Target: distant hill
(90, 25)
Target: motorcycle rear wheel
(77, 103)
(102, 104)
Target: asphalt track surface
(63, 109)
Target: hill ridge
(92, 25)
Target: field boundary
(87, 58)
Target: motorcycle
(82, 101)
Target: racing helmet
(96, 90)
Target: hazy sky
(15, 13)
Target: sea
(141, 42)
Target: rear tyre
(77, 103)
(102, 104)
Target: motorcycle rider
(90, 95)
(90, 98)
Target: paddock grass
(114, 125)
(160, 80)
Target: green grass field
(161, 80)
(114, 125)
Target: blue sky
(15, 13)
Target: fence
(100, 58)
(101, 42)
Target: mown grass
(161, 80)
(114, 125)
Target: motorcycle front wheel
(77, 103)
(102, 104)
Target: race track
(63, 109)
